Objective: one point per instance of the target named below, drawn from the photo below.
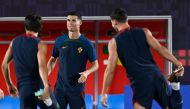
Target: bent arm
(93, 68)
(51, 64)
(163, 51)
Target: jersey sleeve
(91, 52)
(55, 51)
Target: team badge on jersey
(80, 50)
(63, 47)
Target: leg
(138, 106)
(162, 92)
(175, 97)
(77, 101)
(143, 91)
(61, 98)
(167, 98)
(54, 105)
(41, 104)
(27, 100)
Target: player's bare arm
(84, 75)
(1, 94)
(109, 72)
(51, 64)
(163, 51)
(42, 51)
(159, 48)
(6, 72)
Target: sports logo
(63, 47)
(80, 50)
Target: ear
(114, 22)
(80, 22)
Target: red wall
(52, 29)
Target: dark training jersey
(73, 55)
(25, 48)
(135, 55)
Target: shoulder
(112, 42)
(16, 39)
(59, 40)
(137, 30)
(147, 32)
(42, 45)
(85, 40)
(86, 43)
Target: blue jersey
(73, 55)
(134, 53)
(24, 49)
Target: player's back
(134, 52)
(25, 59)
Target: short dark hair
(75, 13)
(119, 14)
(33, 22)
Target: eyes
(71, 20)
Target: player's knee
(138, 106)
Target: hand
(13, 91)
(179, 71)
(83, 77)
(1, 94)
(104, 101)
(45, 95)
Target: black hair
(33, 22)
(119, 14)
(75, 13)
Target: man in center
(72, 51)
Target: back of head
(33, 22)
(119, 14)
(74, 13)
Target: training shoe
(173, 77)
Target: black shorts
(29, 101)
(149, 87)
(64, 98)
